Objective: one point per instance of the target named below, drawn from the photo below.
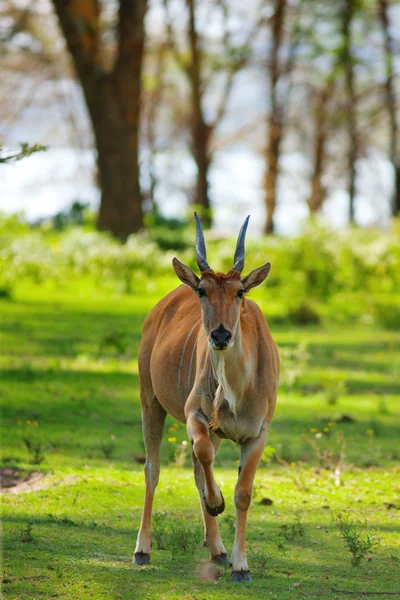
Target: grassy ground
(71, 405)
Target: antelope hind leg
(153, 418)
(250, 457)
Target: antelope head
(221, 296)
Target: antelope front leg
(197, 428)
(212, 539)
(249, 458)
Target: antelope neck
(229, 371)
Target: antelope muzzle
(220, 338)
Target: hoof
(220, 559)
(214, 512)
(241, 576)
(140, 558)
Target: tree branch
(290, 63)
(172, 43)
(26, 150)
(390, 92)
(19, 24)
(238, 62)
(79, 20)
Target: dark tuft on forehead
(221, 277)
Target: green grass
(66, 387)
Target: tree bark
(113, 101)
(118, 162)
(348, 14)
(200, 130)
(201, 127)
(271, 177)
(154, 99)
(390, 98)
(275, 126)
(318, 191)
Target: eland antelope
(208, 359)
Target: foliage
(175, 534)
(159, 529)
(357, 545)
(184, 537)
(292, 531)
(115, 340)
(35, 449)
(25, 151)
(107, 448)
(334, 390)
(267, 455)
(25, 535)
(294, 361)
(304, 313)
(348, 275)
(76, 214)
(259, 559)
(168, 233)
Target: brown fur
(218, 395)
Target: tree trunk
(200, 152)
(390, 98)
(118, 164)
(275, 128)
(396, 200)
(113, 101)
(318, 191)
(200, 130)
(271, 177)
(151, 108)
(348, 14)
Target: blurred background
(280, 108)
(119, 118)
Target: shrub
(357, 544)
(184, 538)
(25, 535)
(36, 449)
(352, 274)
(159, 529)
(305, 313)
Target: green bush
(354, 274)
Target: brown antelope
(208, 359)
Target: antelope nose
(220, 337)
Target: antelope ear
(185, 274)
(256, 277)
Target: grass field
(71, 411)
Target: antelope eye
(240, 293)
(201, 292)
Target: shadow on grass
(67, 332)
(81, 560)
(79, 411)
(84, 414)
